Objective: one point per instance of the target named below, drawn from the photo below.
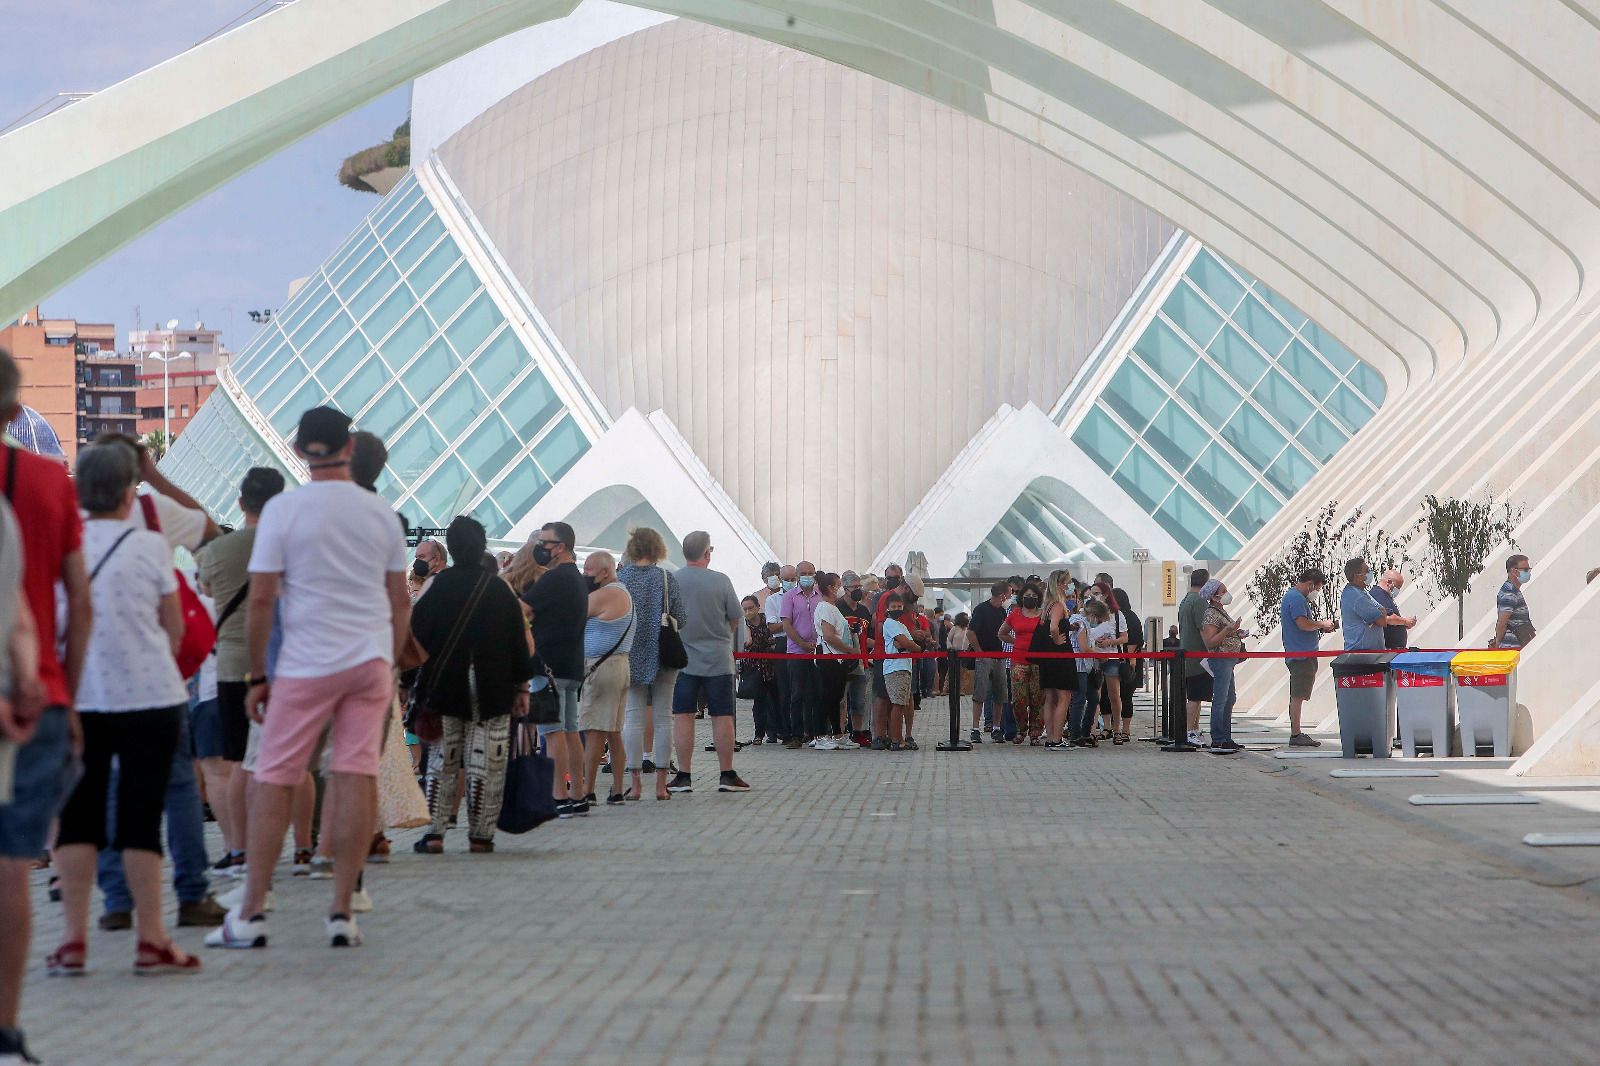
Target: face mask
(1030, 601)
(420, 568)
(541, 555)
(591, 582)
(807, 582)
(857, 595)
(787, 585)
(1072, 605)
(891, 582)
(1225, 599)
(1524, 576)
(773, 583)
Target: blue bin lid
(1431, 663)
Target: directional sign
(1169, 583)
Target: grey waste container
(1364, 695)
(1486, 695)
(1425, 701)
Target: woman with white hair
(1221, 633)
(603, 700)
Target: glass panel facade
(1217, 418)
(395, 325)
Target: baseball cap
(323, 431)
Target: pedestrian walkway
(1004, 905)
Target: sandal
(152, 959)
(480, 847)
(1033, 742)
(430, 844)
(632, 795)
(69, 960)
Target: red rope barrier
(1029, 656)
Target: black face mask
(891, 582)
(1030, 601)
(420, 567)
(857, 595)
(591, 582)
(541, 555)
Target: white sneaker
(342, 931)
(237, 931)
(234, 898)
(1194, 737)
(824, 744)
(360, 902)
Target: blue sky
(240, 246)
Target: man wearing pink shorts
(333, 554)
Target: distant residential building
(108, 389)
(184, 382)
(47, 351)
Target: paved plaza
(1015, 905)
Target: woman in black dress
(1057, 677)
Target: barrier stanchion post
(1177, 715)
(954, 675)
(1160, 704)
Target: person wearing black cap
(334, 553)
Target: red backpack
(199, 632)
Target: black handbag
(544, 705)
(671, 654)
(528, 801)
(750, 684)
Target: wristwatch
(251, 680)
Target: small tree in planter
(1326, 542)
(1456, 535)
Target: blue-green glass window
(1190, 313)
(490, 448)
(521, 489)
(318, 348)
(1312, 373)
(414, 451)
(1253, 511)
(495, 523)
(1370, 382)
(1133, 395)
(402, 198)
(1291, 471)
(1282, 400)
(1253, 437)
(1238, 358)
(1143, 478)
(1337, 355)
(474, 324)
(266, 359)
(1219, 478)
(393, 408)
(1321, 438)
(451, 293)
(347, 255)
(304, 298)
(308, 395)
(500, 361)
(361, 250)
(1348, 408)
(1175, 436)
(1215, 281)
(1103, 440)
(428, 371)
(405, 226)
(448, 489)
(1212, 398)
(361, 272)
(1164, 352)
(532, 404)
(430, 230)
(294, 372)
(1183, 516)
(426, 273)
(1220, 545)
(455, 408)
(398, 348)
(1286, 310)
(386, 315)
(560, 448)
(343, 359)
(319, 309)
(361, 387)
(376, 289)
(1263, 327)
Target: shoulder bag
(670, 651)
(1136, 678)
(199, 632)
(426, 720)
(627, 633)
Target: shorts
(897, 687)
(205, 733)
(1110, 668)
(233, 723)
(39, 784)
(1302, 677)
(717, 690)
(1197, 687)
(567, 695)
(252, 749)
(356, 701)
(604, 700)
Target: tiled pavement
(1115, 905)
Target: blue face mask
(1524, 576)
(788, 585)
(1072, 605)
(806, 581)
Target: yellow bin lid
(1484, 663)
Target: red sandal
(163, 959)
(69, 960)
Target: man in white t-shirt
(336, 556)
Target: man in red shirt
(46, 511)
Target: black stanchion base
(1182, 745)
(959, 745)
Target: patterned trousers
(482, 748)
(1026, 700)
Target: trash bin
(1425, 701)
(1486, 694)
(1364, 693)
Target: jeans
(186, 835)
(1085, 701)
(657, 696)
(1223, 695)
(805, 698)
